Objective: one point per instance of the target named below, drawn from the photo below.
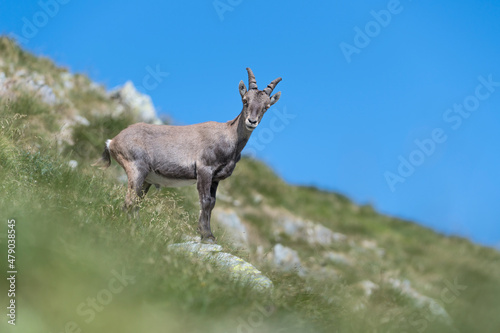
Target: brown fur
(205, 152)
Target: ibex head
(255, 101)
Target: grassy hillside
(83, 266)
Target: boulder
(368, 287)
(140, 104)
(231, 223)
(372, 246)
(419, 300)
(240, 270)
(312, 233)
(338, 258)
(287, 259)
(33, 83)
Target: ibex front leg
(206, 191)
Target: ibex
(204, 153)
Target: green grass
(89, 140)
(19, 58)
(72, 235)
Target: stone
(419, 300)
(140, 104)
(287, 259)
(236, 230)
(244, 271)
(67, 80)
(312, 233)
(257, 198)
(81, 120)
(372, 246)
(32, 83)
(46, 94)
(240, 270)
(73, 164)
(368, 287)
(196, 247)
(324, 274)
(338, 258)
(226, 198)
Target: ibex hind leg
(133, 209)
(136, 189)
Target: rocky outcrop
(311, 232)
(139, 104)
(240, 270)
(22, 81)
(337, 258)
(368, 287)
(371, 245)
(419, 300)
(287, 259)
(231, 223)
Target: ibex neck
(240, 132)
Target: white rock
(140, 104)
(20, 72)
(96, 87)
(287, 259)
(118, 110)
(73, 164)
(372, 246)
(81, 120)
(33, 83)
(368, 287)
(324, 273)
(46, 94)
(226, 198)
(68, 80)
(257, 198)
(196, 247)
(338, 258)
(312, 233)
(419, 300)
(240, 270)
(230, 221)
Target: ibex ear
(275, 97)
(243, 88)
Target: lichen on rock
(240, 270)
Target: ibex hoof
(208, 240)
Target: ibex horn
(252, 83)
(270, 87)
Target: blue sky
(393, 103)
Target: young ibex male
(175, 156)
